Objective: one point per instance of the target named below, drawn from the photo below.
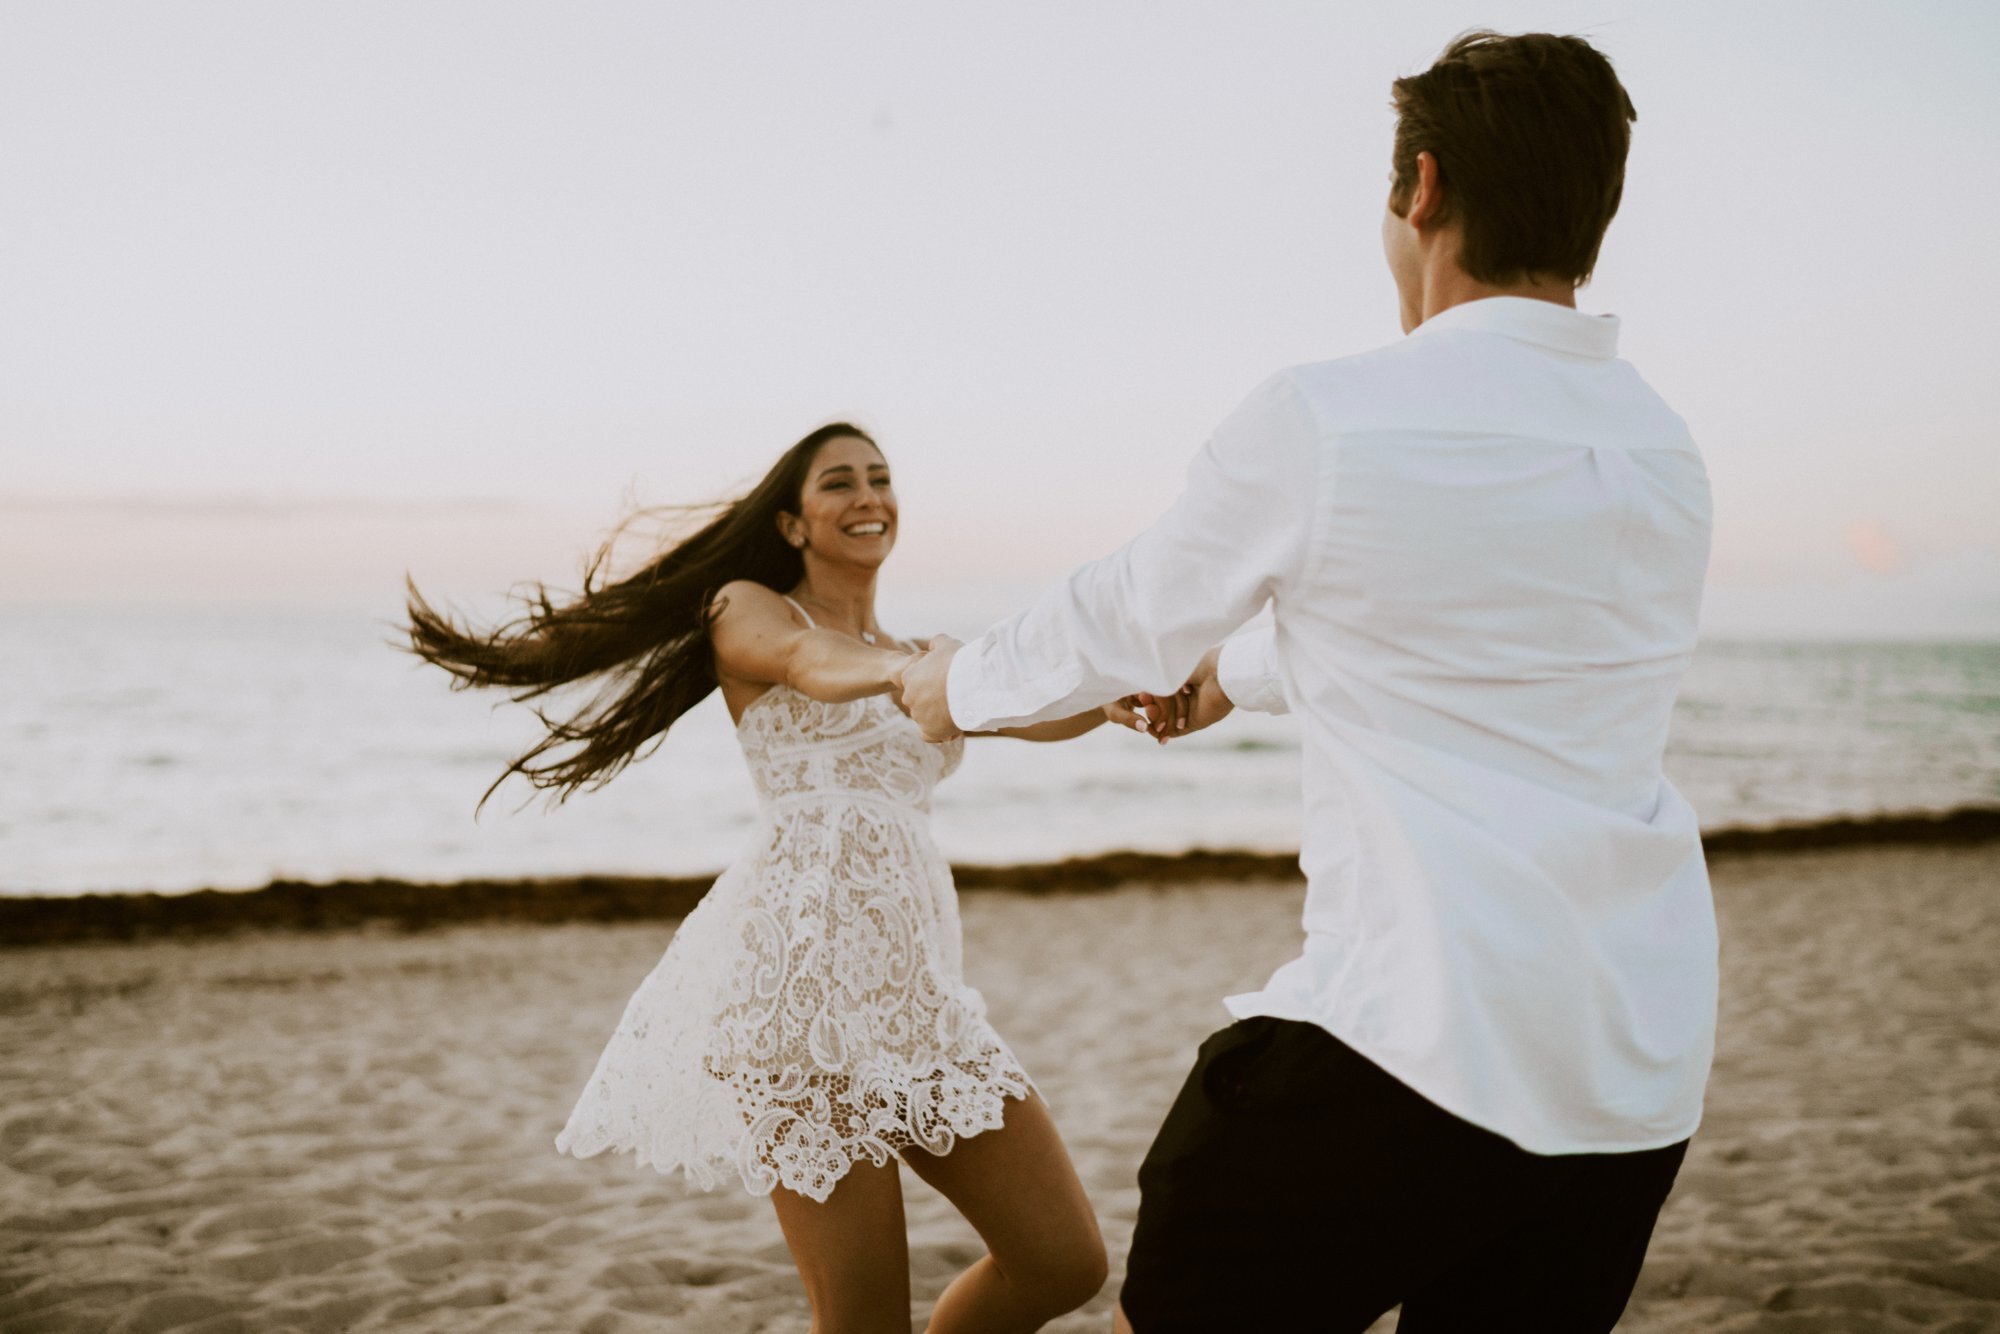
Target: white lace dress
(811, 1011)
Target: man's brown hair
(1529, 134)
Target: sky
(297, 298)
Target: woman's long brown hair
(643, 639)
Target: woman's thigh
(1018, 1188)
(851, 1250)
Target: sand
(351, 1130)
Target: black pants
(1298, 1186)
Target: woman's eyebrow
(849, 467)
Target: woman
(808, 1025)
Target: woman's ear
(792, 530)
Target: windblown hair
(1530, 135)
(643, 638)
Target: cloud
(1933, 596)
(1872, 547)
(241, 507)
(275, 551)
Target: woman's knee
(1066, 1278)
(1085, 1276)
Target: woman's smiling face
(847, 510)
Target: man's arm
(1142, 617)
(1245, 670)
(1242, 671)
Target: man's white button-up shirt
(1483, 547)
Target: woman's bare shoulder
(753, 631)
(746, 599)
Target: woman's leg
(1018, 1189)
(852, 1252)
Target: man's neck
(1447, 285)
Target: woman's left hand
(1159, 716)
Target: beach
(350, 1129)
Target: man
(1484, 548)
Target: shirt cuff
(961, 687)
(981, 698)
(1247, 671)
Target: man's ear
(1427, 195)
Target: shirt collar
(1542, 323)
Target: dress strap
(811, 624)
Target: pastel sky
(296, 297)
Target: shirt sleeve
(1140, 618)
(1247, 671)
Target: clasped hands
(918, 689)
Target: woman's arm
(1056, 729)
(758, 639)
(1156, 717)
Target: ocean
(175, 750)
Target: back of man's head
(1529, 134)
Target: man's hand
(921, 694)
(1198, 704)
(1207, 705)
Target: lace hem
(787, 1145)
(804, 1019)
